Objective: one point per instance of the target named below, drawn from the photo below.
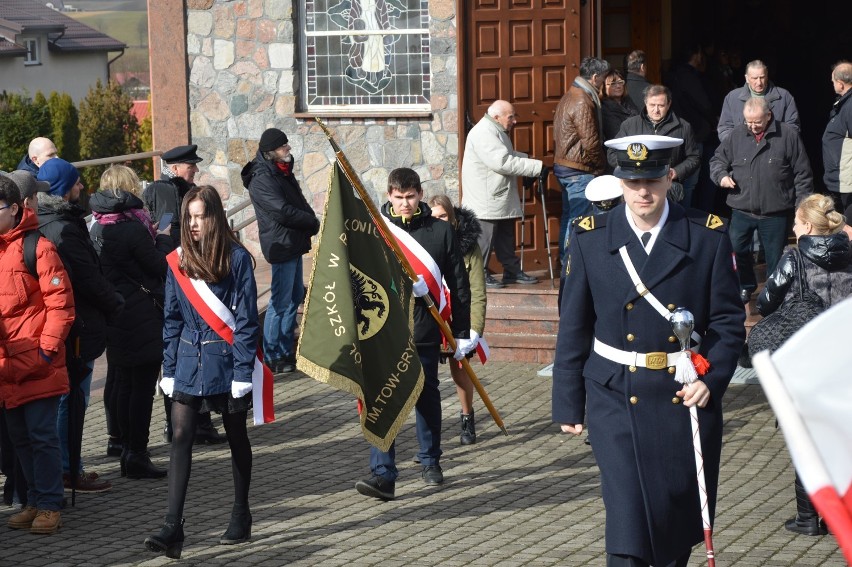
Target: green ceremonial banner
(356, 328)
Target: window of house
(33, 56)
(366, 56)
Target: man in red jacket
(33, 328)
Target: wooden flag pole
(380, 224)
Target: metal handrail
(237, 208)
(116, 159)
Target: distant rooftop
(64, 34)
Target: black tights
(184, 419)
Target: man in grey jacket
(758, 85)
(763, 167)
(837, 155)
(490, 169)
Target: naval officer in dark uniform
(614, 356)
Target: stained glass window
(364, 55)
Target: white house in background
(44, 50)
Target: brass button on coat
(631, 368)
(675, 400)
(672, 339)
(630, 336)
(671, 369)
(671, 306)
(634, 400)
(629, 306)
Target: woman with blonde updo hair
(825, 251)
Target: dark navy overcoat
(639, 430)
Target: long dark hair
(209, 259)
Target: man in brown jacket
(579, 142)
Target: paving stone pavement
(531, 498)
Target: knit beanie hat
(272, 139)
(27, 183)
(61, 175)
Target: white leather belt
(649, 360)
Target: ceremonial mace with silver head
(683, 323)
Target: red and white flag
(424, 264)
(807, 382)
(217, 315)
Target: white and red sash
(217, 315)
(424, 264)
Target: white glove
(463, 346)
(419, 289)
(167, 385)
(240, 389)
(474, 336)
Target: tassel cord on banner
(380, 225)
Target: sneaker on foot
(23, 519)
(433, 474)
(87, 482)
(376, 487)
(492, 283)
(46, 522)
(520, 278)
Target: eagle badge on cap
(637, 152)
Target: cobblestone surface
(531, 498)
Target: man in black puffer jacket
(285, 223)
(61, 220)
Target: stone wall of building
(244, 77)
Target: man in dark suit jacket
(616, 353)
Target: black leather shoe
(206, 434)
(376, 487)
(284, 365)
(492, 283)
(520, 278)
(139, 465)
(433, 474)
(745, 296)
(810, 526)
(239, 529)
(114, 447)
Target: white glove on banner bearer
(474, 336)
(167, 385)
(419, 289)
(463, 346)
(240, 389)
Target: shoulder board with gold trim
(708, 220)
(591, 222)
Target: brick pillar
(169, 74)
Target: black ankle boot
(169, 540)
(139, 465)
(806, 521)
(114, 447)
(239, 529)
(468, 429)
(122, 460)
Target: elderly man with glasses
(765, 171)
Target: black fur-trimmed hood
(468, 230)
